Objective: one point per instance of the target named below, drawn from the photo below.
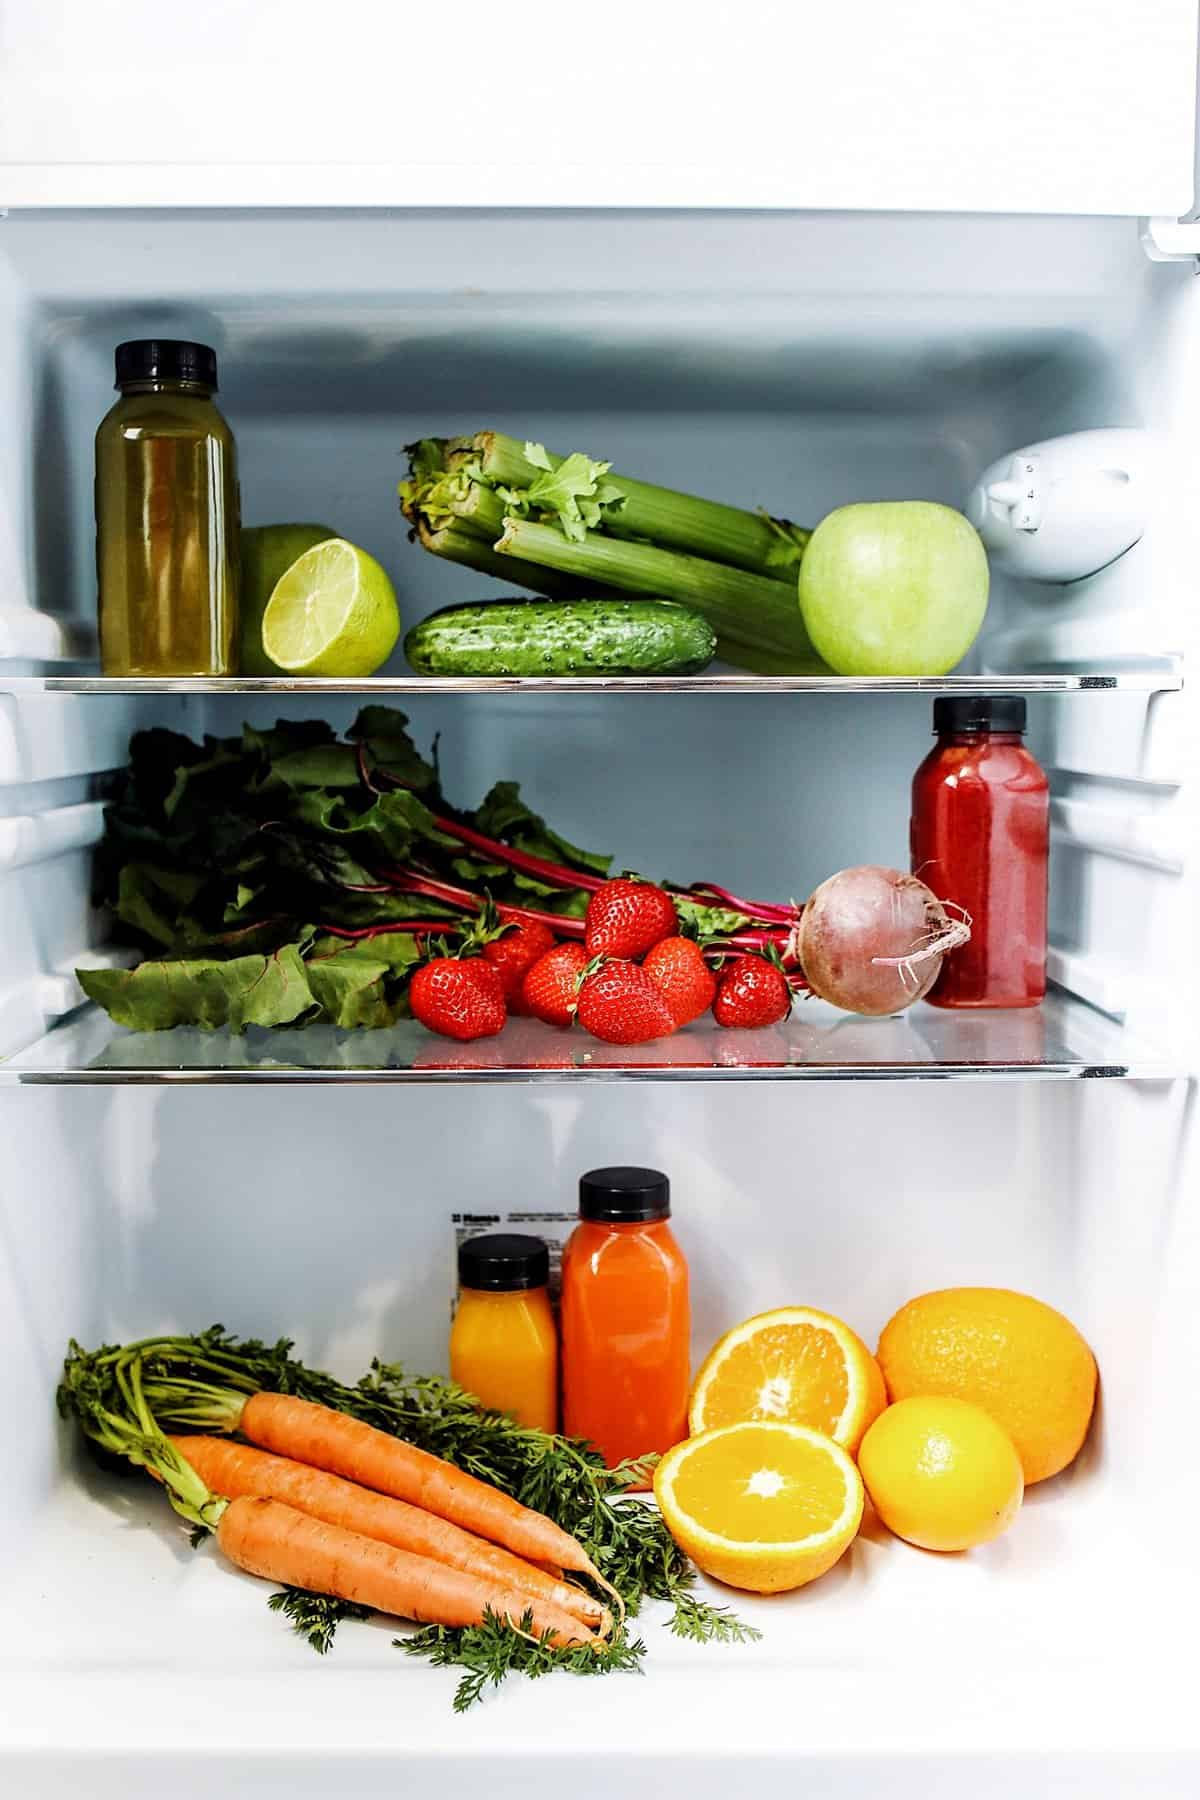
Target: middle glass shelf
(1063, 1039)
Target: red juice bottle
(980, 838)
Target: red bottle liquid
(980, 837)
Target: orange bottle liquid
(625, 1317)
(503, 1346)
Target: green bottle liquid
(166, 517)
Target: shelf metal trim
(521, 1077)
(1155, 680)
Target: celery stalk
(707, 528)
(453, 500)
(482, 512)
(455, 545)
(742, 607)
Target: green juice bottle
(166, 517)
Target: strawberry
(514, 953)
(551, 985)
(627, 917)
(620, 1003)
(678, 967)
(458, 997)
(751, 992)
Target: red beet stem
(764, 913)
(553, 874)
(416, 928)
(558, 923)
(767, 912)
(404, 881)
(365, 773)
(367, 931)
(756, 942)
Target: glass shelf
(1152, 676)
(1060, 1040)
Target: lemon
(267, 550)
(796, 1364)
(1018, 1358)
(941, 1473)
(763, 1506)
(333, 612)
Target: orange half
(766, 1507)
(795, 1366)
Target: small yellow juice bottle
(503, 1344)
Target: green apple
(894, 587)
(267, 552)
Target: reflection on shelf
(1062, 1040)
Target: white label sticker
(554, 1228)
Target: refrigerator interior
(791, 361)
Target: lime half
(267, 552)
(333, 612)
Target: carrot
(266, 1538)
(237, 1470)
(344, 1446)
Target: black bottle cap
(166, 359)
(980, 712)
(622, 1196)
(503, 1262)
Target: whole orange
(941, 1473)
(1014, 1356)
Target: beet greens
(286, 877)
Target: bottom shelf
(1062, 1039)
(159, 1670)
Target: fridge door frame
(1045, 107)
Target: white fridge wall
(794, 360)
(1059, 1646)
(802, 359)
(1047, 107)
(831, 355)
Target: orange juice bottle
(503, 1346)
(625, 1317)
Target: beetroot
(871, 940)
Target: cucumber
(562, 637)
